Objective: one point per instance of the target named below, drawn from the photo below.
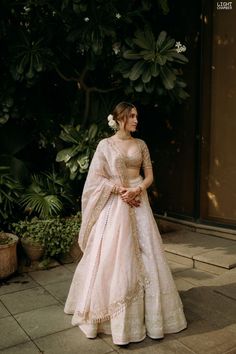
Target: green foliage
(10, 190)
(82, 145)
(149, 63)
(61, 234)
(6, 108)
(4, 239)
(47, 195)
(32, 230)
(56, 235)
(30, 57)
(66, 64)
(72, 48)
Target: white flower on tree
(179, 47)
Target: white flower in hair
(111, 122)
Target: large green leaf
(92, 132)
(149, 87)
(138, 86)
(66, 154)
(160, 40)
(55, 204)
(145, 39)
(167, 44)
(20, 67)
(38, 63)
(148, 55)
(131, 54)
(73, 165)
(70, 134)
(161, 59)
(123, 66)
(155, 69)
(147, 75)
(180, 58)
(136, 70)
(168, 77)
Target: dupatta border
(95, 214)
(113, 309)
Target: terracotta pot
(33, 250)
(75, 251)
(8, 257)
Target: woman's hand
(129, 194)
(134, 203)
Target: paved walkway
(32, 319)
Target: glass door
(218, 138)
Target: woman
(123, 285)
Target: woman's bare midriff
(133, 173)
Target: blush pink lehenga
(123, 285)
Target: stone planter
(8, 256)
(33, 250)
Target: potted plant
(49, 238)
(61, 237)
(32, 237)
(8, 255)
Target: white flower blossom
(178, 44)
(86, 19)
(179, 47)
(116, 47)
(26, 8)
(118, 16)
(111, 122)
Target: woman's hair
(122, 111)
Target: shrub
(57, 235)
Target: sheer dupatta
(101, 178)
(111, 270)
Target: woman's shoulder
(141, 142)
(102, 142)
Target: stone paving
(32, 319)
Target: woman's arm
(129, 194)
(148, 178)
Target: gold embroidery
(147, 163)
(96, 212)
(114, 309)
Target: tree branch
(95, 89)
(76, 79)
(87, 90)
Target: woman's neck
(123, 135)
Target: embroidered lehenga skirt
(157, 308)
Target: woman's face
(131, 121)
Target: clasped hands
(130, 195)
